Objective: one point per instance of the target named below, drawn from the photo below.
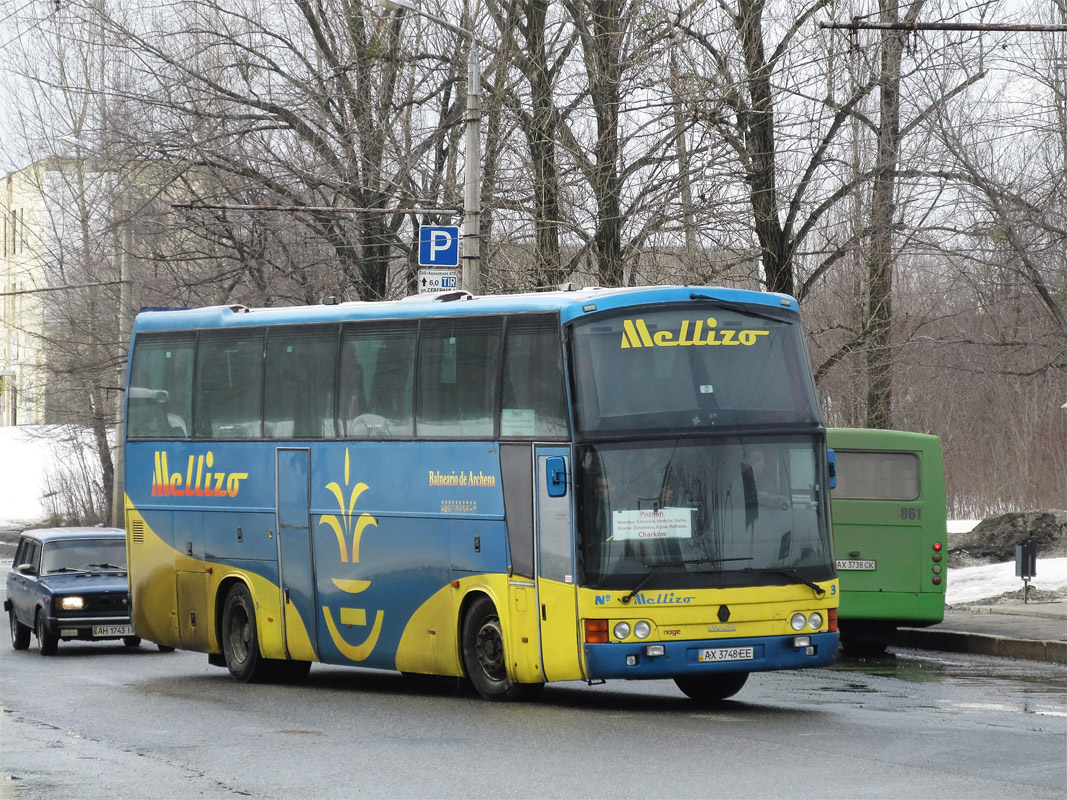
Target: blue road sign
(438, 245)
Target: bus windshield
(673, 367)
(702, 512)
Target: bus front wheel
(240, 642)
(710, 689)
(484, 656)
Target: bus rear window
(872, 475)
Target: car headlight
(72, 603)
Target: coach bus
(890, 537)
(575, 485)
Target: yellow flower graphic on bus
(347, 526)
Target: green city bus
(889, 526)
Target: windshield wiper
(64, 569)
(106, 565)
(739, 308)
(792, 573)
(682, 563)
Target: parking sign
(438, 245)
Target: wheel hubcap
(490, 647)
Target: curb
(983, 645)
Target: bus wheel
(47, 642)
(240, 642)
(710, 689)
(20, 634)
(484, 658)
(131, 641)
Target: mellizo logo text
(199, 480)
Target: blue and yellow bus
(575, 485)
(890, 536)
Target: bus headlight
(72, 603)
(621, 630)
(642, 629)
(815, 621)
(797, 622)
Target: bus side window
(532, 399)
(300, 382)
(229, 371)
(458, 377)
(377, 376)
(160, 395)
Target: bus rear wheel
(240, 642)
(484, 655)
(711, 689)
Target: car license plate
(112, 630)
(860, 566)
(726, 654)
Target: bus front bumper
(642, 660)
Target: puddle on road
(1029, 687)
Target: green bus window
(160, 395)
(532, 402)
(457, 377)
(377, 378)
(298, 403)
(229, 378)
(863, 475)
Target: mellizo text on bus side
(580, 485)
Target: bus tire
(484, 657)
(240, 641)
(20, 634)
(711, 689)
(46, 642)
(131, 641)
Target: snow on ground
(970, 584)
(28, 454)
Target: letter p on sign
(438, 245)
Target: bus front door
(557, 600)
(295, 566)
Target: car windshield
(700, 511)
(84, 555)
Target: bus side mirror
(556, 476)
(831, 467)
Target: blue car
(69, 583)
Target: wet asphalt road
(100, 721)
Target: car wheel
(484, 656)
(240, 641)
(131, 641)
(47, 642)
(20, 634)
